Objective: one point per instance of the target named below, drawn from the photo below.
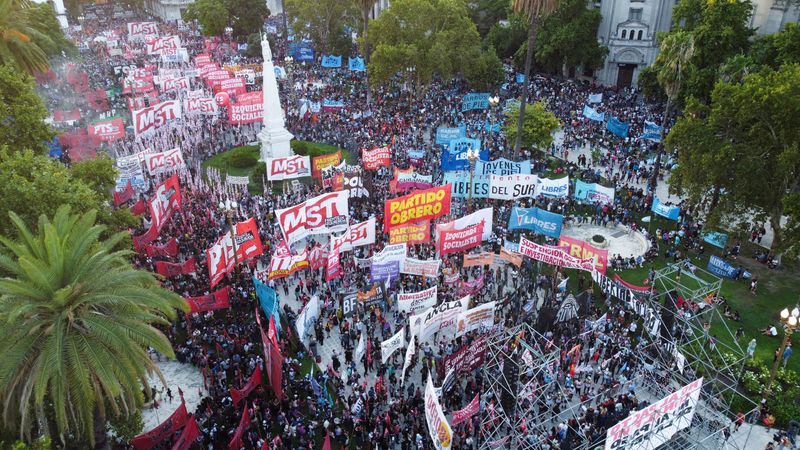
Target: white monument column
(273, 136)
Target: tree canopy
(24, 126)
(742, 151)
(22, 36)
(538, 128)
(325, 22)
(246, 16)
(77, 321)
(211, 14)
(568, 38)
(434, 38)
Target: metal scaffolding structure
(686, 338)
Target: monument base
(275, 143)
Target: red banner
(62, 116)
(165, 201)
(276, 361)
(317, 256)
(168, 249)
(139, 207)
(468, 411)
(171, 269)
(233, 86)
(630, 286)
(283, 266)
(255, 379)
(149, 236)
(218, 299)
(377, 157)
(583, 250)
(332, 268)
(241, 114)
(250, 98)
(188, 436)
(164, 431)
(457, 240)
(236, 441)
(220, 256)
(417, 206)
(202, 105)
(124, 195)
(320, 162)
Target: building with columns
(167, 9)
(629, 29)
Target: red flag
(188, 435)
(327, 444)
(139, 207)
(216, 300)
(168, 249)
(162, 432)
(236, 441)
(123, 196)
(255, 380)
(171, 269)
(146, 238)
(165, 201)
(276, 376)
(369, 350)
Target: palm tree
(673, 62)
(365, 6)
(535, 11)
(76, 320)
(17, 30)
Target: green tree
(538, 129)
(485, 73)
(211, 14)
(365, 7)
(673, 67)
(44, 16)
(508, 38)
(568, 38)
(535, 11)
(246, 16)
(434, 38)
(756, 127)
(325, 22)
(126, 427)
(20, 37)
(720, 30)
(24, 126)
(77, 321)
(487, 13)
(36, 185)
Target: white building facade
(629, 29)
(167, 9)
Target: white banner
(237, 181)
(167, 45)
(323, 214)
(156, 116)
(392, 344)
(425, 268)
(439, 430)
(438, 317)
(394, 252)
(165, 162)
(412, 347)
(288, 167)
(657, 423)
(202, 105)
(553, 188)
(484, 215)
(479, 317)
(512, 187)
(416, 301)
(176, 84)
(361, 348)
(362, 233)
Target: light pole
(288, 64)
(472, 156)
(789, 320)
(228, 209)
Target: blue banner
(382, 272)
(619, 128)
(356, 64)
(475, 100)
(302, 51)
(328, 104)
(331, 61)
(720, 267)
(520, 78)
(511, 246)
(416, 154)
(454, 157)
(502, 166)
(652, 132)
(460, 184)
(445, 135)
(716, 238)
(268, 299)
(592, 114)
(55, 148)
(670, 212)
(491, 127)
(536, 220)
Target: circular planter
(598, 240)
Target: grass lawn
(226, 163)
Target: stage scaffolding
(520, 371)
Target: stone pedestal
(275, 143)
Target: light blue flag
(331, 61)
(592, 114)
(617, 127)
(268, 299)
(356, 64)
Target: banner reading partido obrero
(417, 206)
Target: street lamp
(493, 101)
(789, 320)
(472, 156)
(228, 209)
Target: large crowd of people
(351, 396)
